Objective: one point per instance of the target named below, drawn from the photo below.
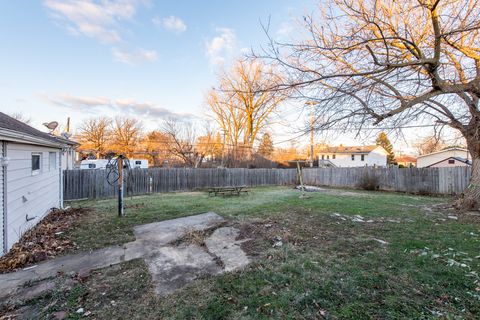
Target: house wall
(425, 161)
(376, 157)
(29, 195)
(2, 175)
(445, 164)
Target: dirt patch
(135, 206)
(298, 229)
(196, 237)
(44, 241)
(470, 217)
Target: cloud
(221, 47)
(98, 20)
(170, 23)
(101, 20)
(98, 105)
(137, 56)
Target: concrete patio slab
(171, 266)
(223, 245)
(174, 267)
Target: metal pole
(120, 185)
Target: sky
(147, 59)
(152, 60)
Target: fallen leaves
(44, 241)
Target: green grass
(104, 227)
(328, 268)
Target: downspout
(4, 204)
(60, 188)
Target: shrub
(369, 181)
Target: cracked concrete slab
(223, 244)
(174, 267)
(171, 267)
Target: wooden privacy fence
(452, 180)
(92, 184)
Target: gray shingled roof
(349, 150)
(9, 123)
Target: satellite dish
(51, 125)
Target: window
(362, 157)
(451, 161)
(328, 156)
(52, 161)
(353, 157)
(139, 162)
(323, 157)
(92, 166)
(333, 156)
(36, 163)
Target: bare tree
(182, 142)
(126, 134)
(241, 104)
(21, 117)
(154, 146)
(228, 116)
(393, 63)
(429, 144)
(94, 134)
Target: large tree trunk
(470, 199)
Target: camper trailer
(103, 163)
(138, 163)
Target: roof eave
(436, 152)
(16, 136)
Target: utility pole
(311, 138)
(120, 185)
(312, 121)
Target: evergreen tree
(382, 140)
(265, 148)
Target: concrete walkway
(171, 266)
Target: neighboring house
(30, 177)
(452, 162)
(356, 156)
(406, 161)
(450, 157)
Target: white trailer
(102, 164)
(138, 163)
(94, 164)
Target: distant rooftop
(405, 159)
(350, 150)
(444, 150)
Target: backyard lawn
(338, 255)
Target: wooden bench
(227, 191)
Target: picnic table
(227, 191)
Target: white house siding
(27, 194)
(2, 227)
(429, 159)
(376, 157)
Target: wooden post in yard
(120, 185)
